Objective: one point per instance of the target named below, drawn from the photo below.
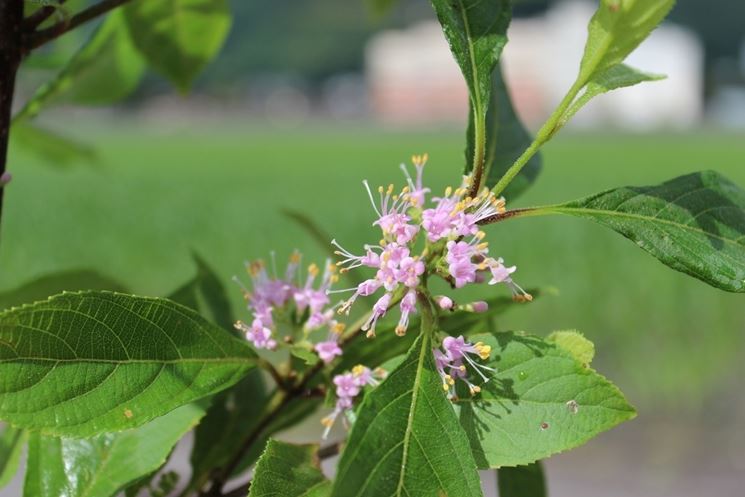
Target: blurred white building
(412, 76)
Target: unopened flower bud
(480, 306)
(445, 303)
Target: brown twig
(39, 38)
(37, 18)
(11, 53)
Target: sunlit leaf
(693, 223)
(179, 37)
(53, 148)
(106, 69)
(290, 471)
(613, 78)
(103, 465)
(80, 364)
(540, 401)
(406, 440)
(66, 281)
(616, 29)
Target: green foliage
(506, 139)
(522, 481)
(233, 415)
(12, 442)
(178, 37)
(81, 364)
(618, 76)
(575, 343)
(106, 69)
(290, 471)
(541, 401)
(103, 465)
(205, 293)
(616, 29)
(49, 146)
(406, 440)
(694, 224)
(65, 281)
(476, 32)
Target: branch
(37, 18)
(39, 38)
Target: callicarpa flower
(452, 359)
(348, 386)
(447, 229)
(275, 295)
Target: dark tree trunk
(11, 52)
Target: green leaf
(618, 76)
(103, 465)
(80, 364)
(406, 440)
(41, 288)
(105, 70)
(522, 481)
(616, 29)
(54, 149)
(476, 32)
(693, 223)
(575, 343)
(541, 401)
(293, 413)
(205, 293)
(305, 354)
(506, 139)
(290, 471)
(12, 441)
(233, 415)
(179, 37)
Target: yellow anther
(445, 387)
(390, 189)
(334, 278)
(370, 334)
(475, 389)
(483, 350)
(482, 246)
(480, 235)
(400, 330)
(380, 189)
(327, 421)
(313, 270)
(448, 191)
(295, 257)
(405, 190)
(358, 370)
(339, 328)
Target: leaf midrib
(414, 398)
(600, 212)
(472, 57)
(196, 360)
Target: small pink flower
(328, 350)
(408, 305)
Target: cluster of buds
(273, 294)
(348, 387)
(451, 363)
(454, 246)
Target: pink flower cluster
(274, 293)
(452, 359)
(348, 387)
(449, 226)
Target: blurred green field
(155, 196)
